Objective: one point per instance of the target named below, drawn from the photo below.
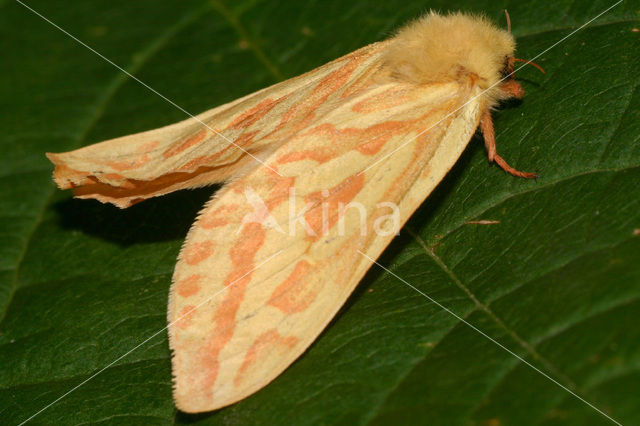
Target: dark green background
(557, 280)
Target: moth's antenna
(508, 21)
(530, 63)
(506, 13)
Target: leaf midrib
(580, 391)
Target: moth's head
(456, 47)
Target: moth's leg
(486, 125)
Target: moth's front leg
(486, 125)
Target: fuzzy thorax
(454, 47)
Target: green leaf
(556, 281)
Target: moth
(258, 279)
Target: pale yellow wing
(258, 278)
(224, 142)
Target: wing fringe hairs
(317, 134)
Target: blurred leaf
(556, 281)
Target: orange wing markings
(279, 191)
(189, 286)
(195, 253)
(246, 139)
(130, 191)
(184, 144)
(293, 296)
(423, 148)
(320, 154)
(302, 113)
(374, 137)
(377, 135)
(235, 146)
(333, 82)
(254, 114)
(220, 216)
(131, 164)
(367, 140)
(387, 99)
(363, 81)
(148, 146)
(268, 342)
(327, 206)
(242, 257)
(185, 317)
